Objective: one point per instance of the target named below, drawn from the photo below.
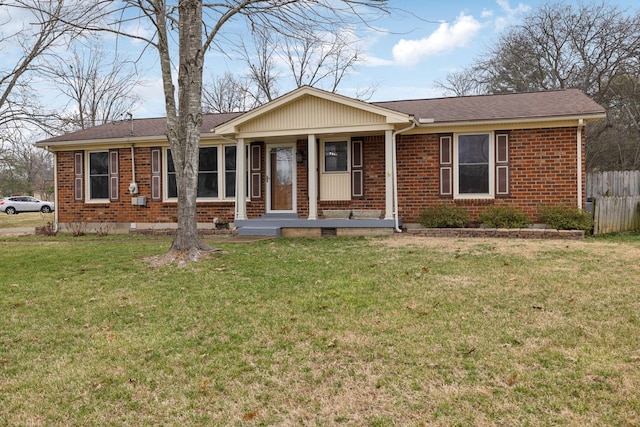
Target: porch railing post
(241, 180)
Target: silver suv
(15, 204)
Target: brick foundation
(514, 233)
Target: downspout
(55, 190)
(579, 155)
(133, 187)
(394, 168)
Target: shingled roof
(550, 104)
(508, 107)
(137, 128)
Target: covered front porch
(309, 155)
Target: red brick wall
(121, 210)
(374, 179)
(542, 171)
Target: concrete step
(259, 231)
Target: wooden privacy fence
(614, 214)
(615, 183)
(616, 198)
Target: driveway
(23, 231)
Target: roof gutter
(123, 142)
(430, 123)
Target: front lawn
(335, 331)
(25, 219)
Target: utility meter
(133, 188)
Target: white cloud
(486, 14)
(138, 32)
(374, 61)
(511, 15)
(445, 39)
(151, 99)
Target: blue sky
(420, 42)
(442, 36)
(412, 48)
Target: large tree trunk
(183, 125)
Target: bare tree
(460, 83)
(254, 87)
(98, 87)
(23, 168)
(311, 57)
(592, 47)
(262, 72)
(617, 139)
(31, 30)
(320, 59)
(226, 94)
(194, 28)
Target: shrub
(504, 217)
(563, 217)
(444, 216)
(104, 228)
(77, 228)
(49, 229)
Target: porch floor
(273, 224)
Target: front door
(281, 180)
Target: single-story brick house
(321, 161)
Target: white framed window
(98, 176)
(336, 157)
(216, 173)
(335, 179)
(474, 165)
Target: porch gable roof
(310, 110)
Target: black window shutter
(446, 166)
(357, 168)
(78, 162)
(256, 170)
(156, 174)
(113, 175)
(502, 164)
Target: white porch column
(241, 180)
(388, 173)
(312, 178)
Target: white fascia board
(524, 121)
(148, 141)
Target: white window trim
(492, 166)
(347, 141)
(222, 197)
(87, 176)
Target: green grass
(26, 219)
(377, 332)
